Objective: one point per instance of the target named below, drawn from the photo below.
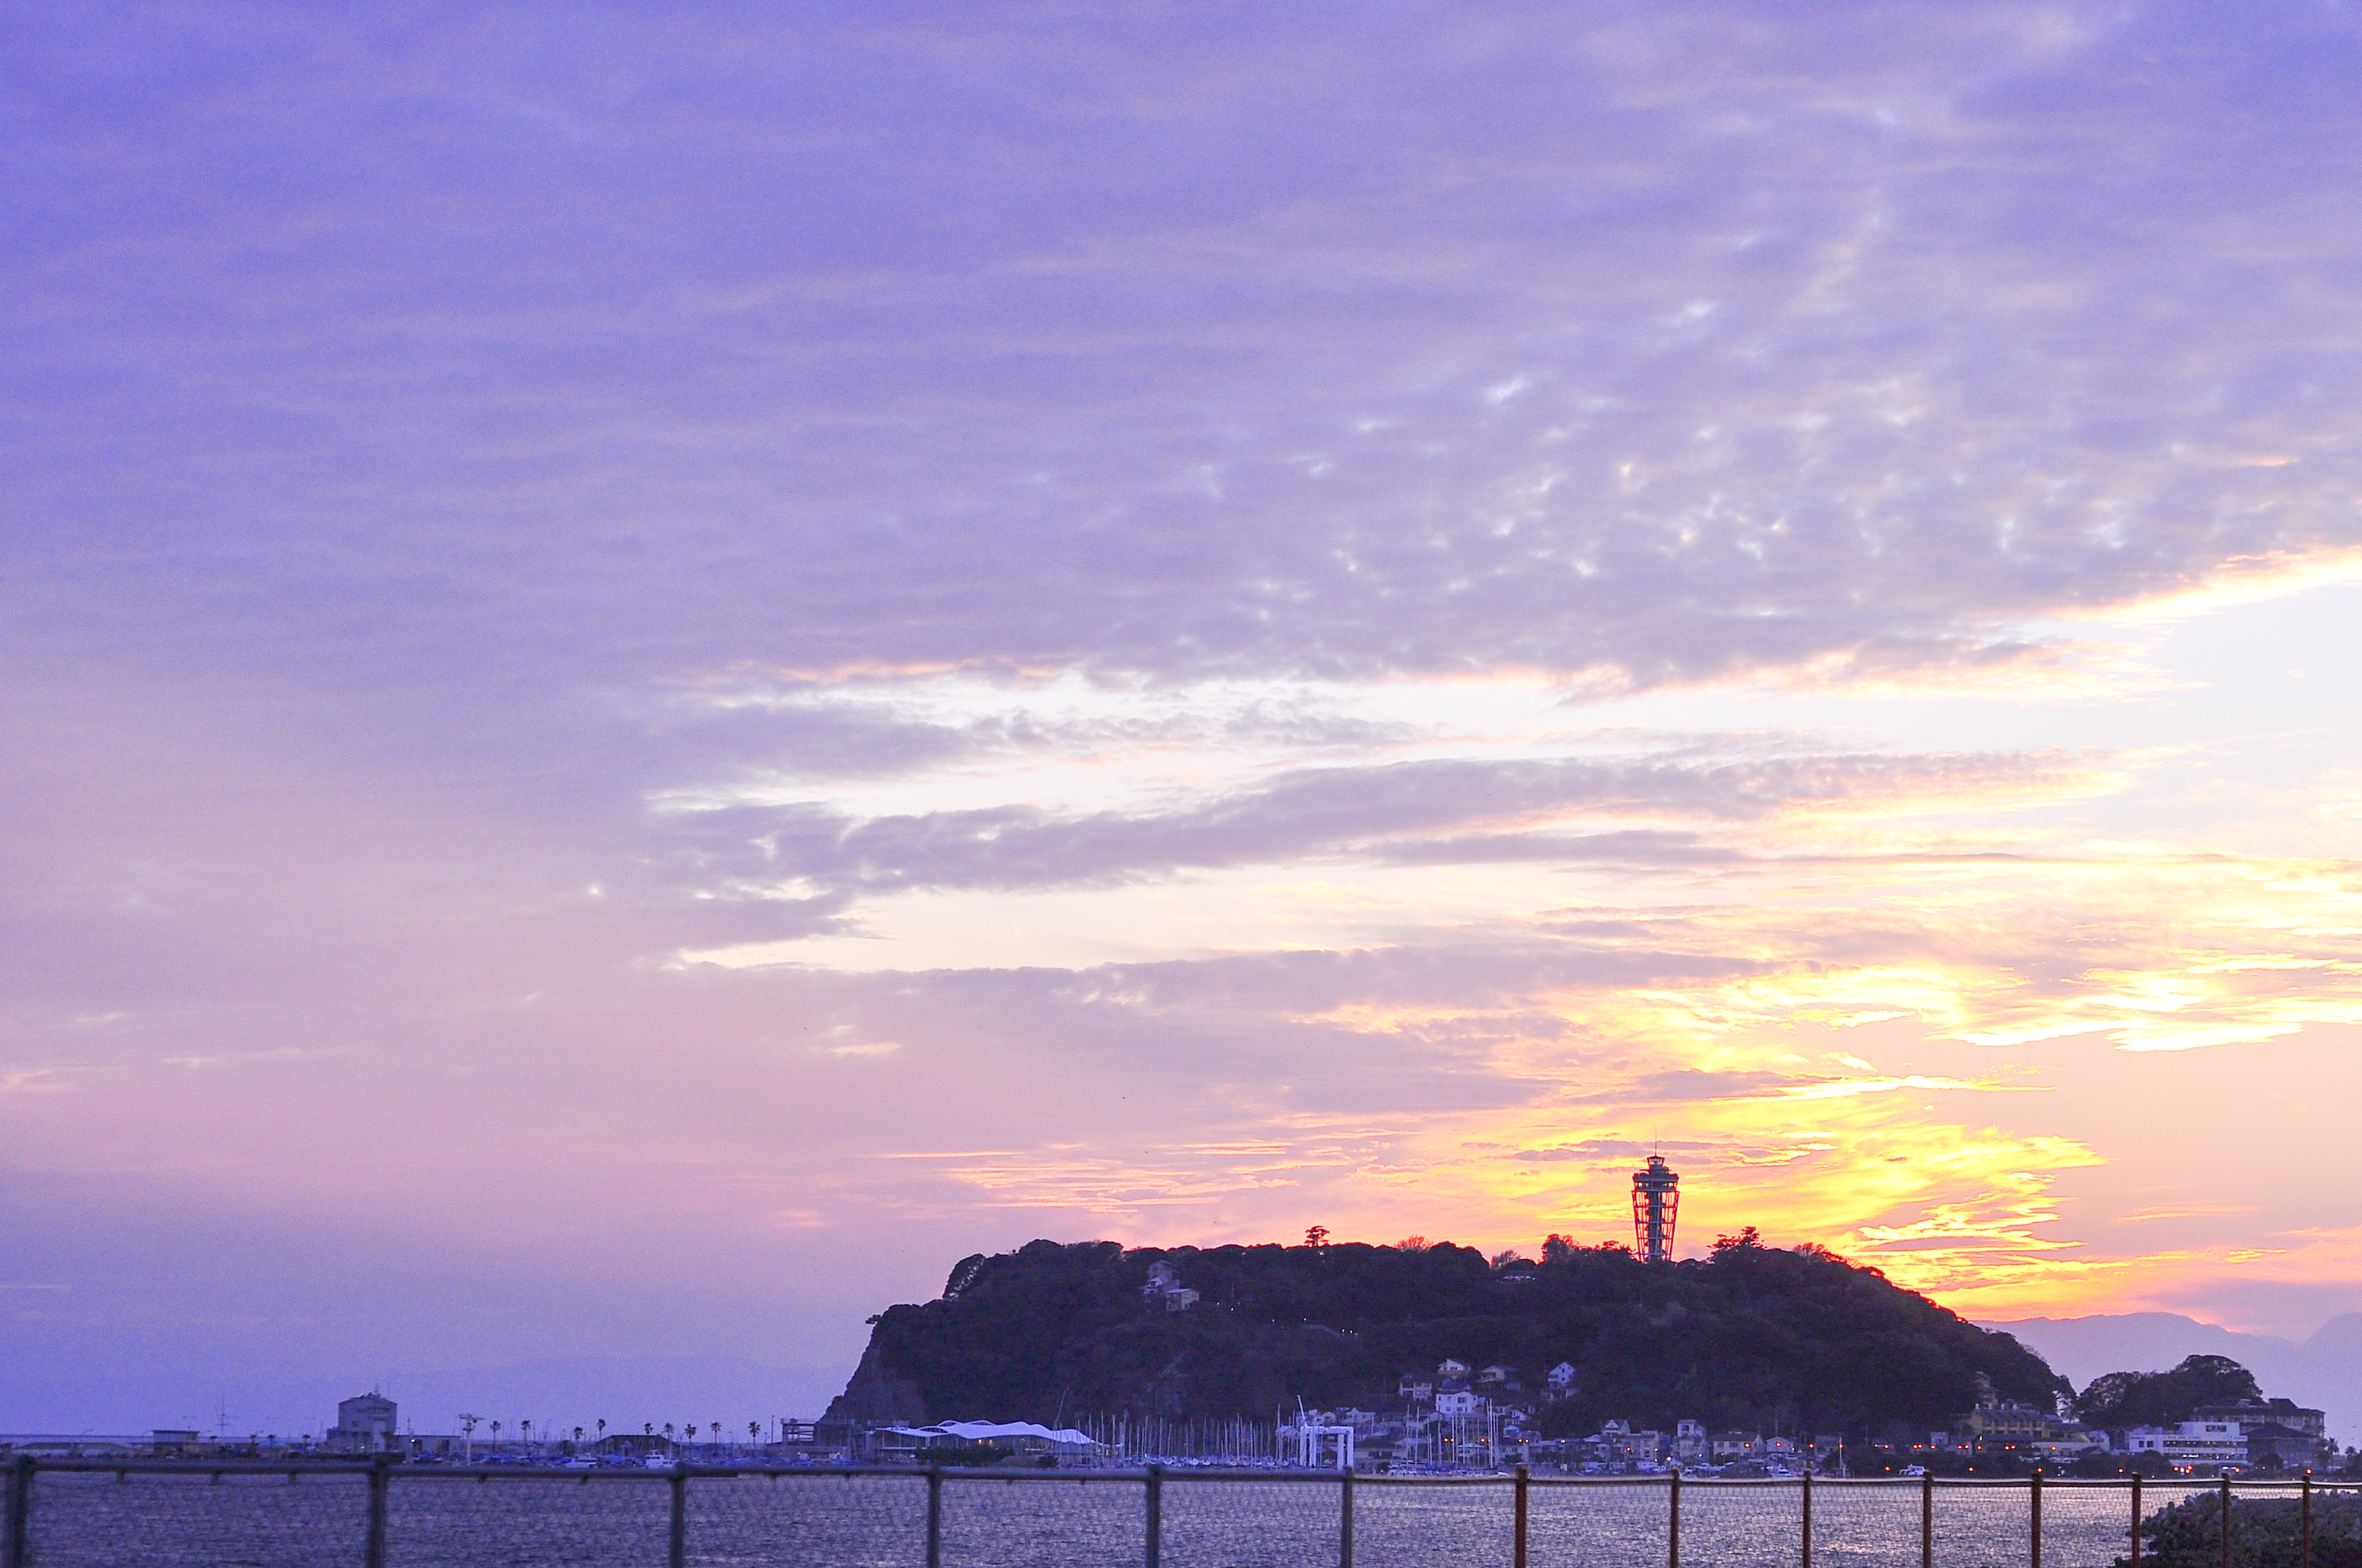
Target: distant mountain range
(2325, 1371)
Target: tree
(2120, 1399)
(1557, 1250)
(1749, 1237)
(963, 1275)
(1317, 1237)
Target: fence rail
(84, 1513)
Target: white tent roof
(981, 1431)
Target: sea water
(1070, 1520)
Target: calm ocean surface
(90, 1521)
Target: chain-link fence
(105, 1513)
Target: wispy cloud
(1209, 622)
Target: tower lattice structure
(1656, 1200)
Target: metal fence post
(2226, 1520)
(677, 1549)
(14, 1534)
(2304, 1523)
(1927, 1520)
(373, 1550)
(2034, 1517)
(1518, 1546)
(1155, 1515)
(2136, 1520)
(1345, 1522)
(1809, 1519)
(1673, 1520)
(934, 1516)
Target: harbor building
(2202, 1447)
(365, 1424)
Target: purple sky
(661, 670)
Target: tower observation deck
(1656, 1198)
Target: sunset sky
(660, 670)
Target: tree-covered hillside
(2121, 1399)
(1752, 1336)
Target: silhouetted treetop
(2119, 1399)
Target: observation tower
(1655, 1199)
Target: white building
(2192, 1445)
(1691, 1444)
(364, 1425)
(1459, 1402)
(1562, 1379)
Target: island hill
(1751, 1336)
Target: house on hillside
(2007, 1423)
(1164, 1290)
(1562, 1379)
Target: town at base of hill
(1751, 1360)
